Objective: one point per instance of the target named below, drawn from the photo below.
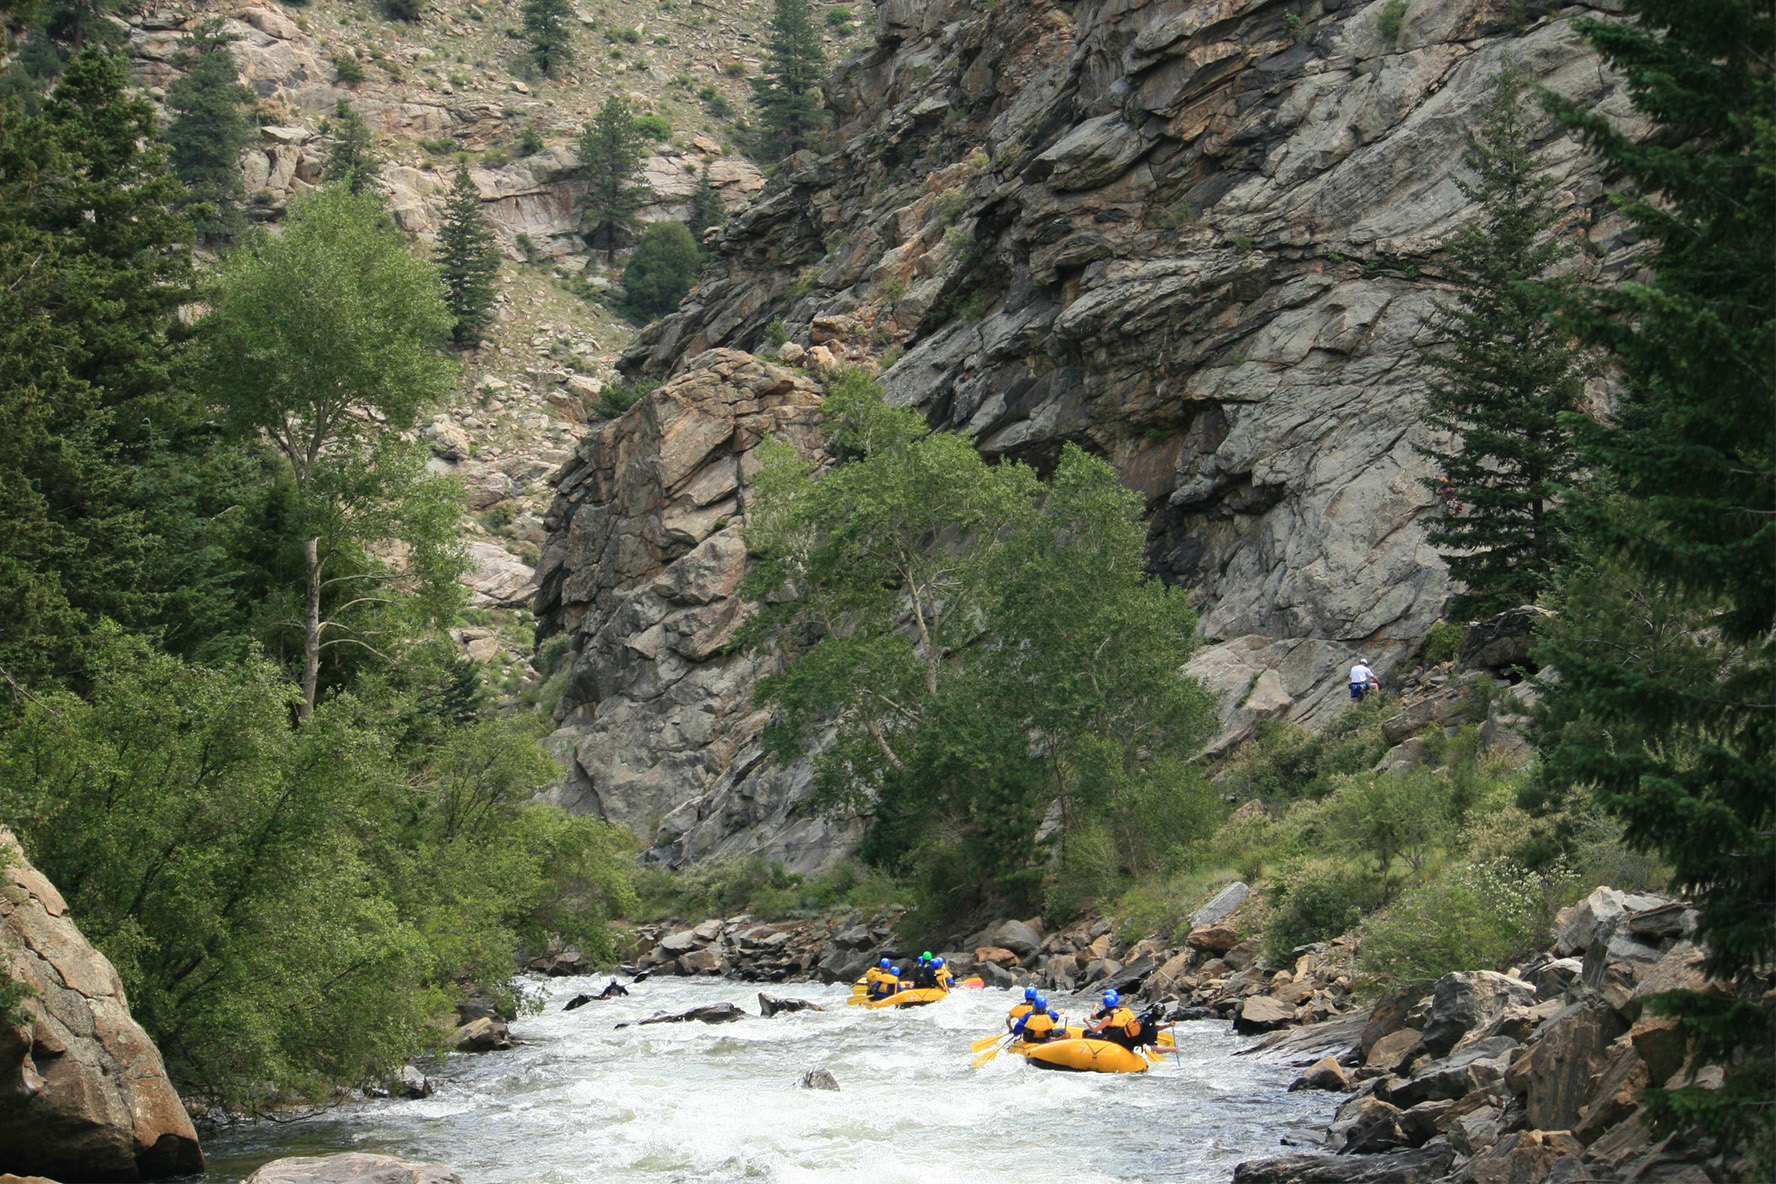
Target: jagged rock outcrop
(1198, 237)
(83, 1092)
(642, 570)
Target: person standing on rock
(1363, 680)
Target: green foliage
(404, 10)
(1442, 643)
(618, 397)
(839, 20)
(662, 269)
(654, 127)
(1472, 917)
(530, 140)
(349, 69)
(311, 330)
(707, 208)
(468, 261)
(1391, 20)
(763, 891)
(1676, 732)
(609, 154)
(1287, 762)
(988, 651)
(352, 159)
(210, 126)
(548, 24)
(1315, 899)
(1507, 372)
(789, 96)
(288, 909)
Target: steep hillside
(1198, 238)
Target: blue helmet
(1030, 994)
(937, 961)
(1042, 1003)
(884, 964)
(894, 970)
(1111, 998)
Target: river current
(581, 1101)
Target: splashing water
(580, 1100)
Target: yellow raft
(1081, 1055)
(907, 998)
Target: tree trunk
(311, 628)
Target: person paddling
(887, 980)
(1040, 1026)
(1021, 1010)
(940, 974)
(1115, 1022)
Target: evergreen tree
(467, 259)
(791, 105)
(352, 158)
(209, 128)
(548, 24)
(662, 269)
(706, 206)
(1676, 730)
(1508, 371)
(610, 163)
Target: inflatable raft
(907, 998)
(1079, 1054)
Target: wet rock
(1422, 1166)
(352, 1168)
(411, 1084)
(1261, 1013)
(1325, 1073)
(996, 976)
(1221, 905)
(712, 1013)
(482, 1035)
(1366, 1125)
(820, 1079)
(705, 961)
(1464, 1001)
(579, 1001)
(770, 1005)
(87, 1096)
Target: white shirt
(1362, 675)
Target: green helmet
(925, 957)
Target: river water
(580, 1101)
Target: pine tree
(467, 259)
(791, 105)
(209, 128)
(706, 207)
(352, 158)
(1508, 372)
(1675, 730)
(662, 269)
(610, 162)
(548, 25)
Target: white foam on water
(580, 1100)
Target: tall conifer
(1507, 372)
(706, 206)
(610, 162)
(547, 24)
(352, 158)
(210, 126)
(467, 259)
(791, 105)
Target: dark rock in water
(713, 1013)
(482, 1035)
(1325, 1073)
(1193, 1013)
(411, 1084)
(1422, 1166)
(481, 1007)
(353, 1168)
(820, 1079)
(770, 1005)
(1261, 1013)
(995, 975)
(579, 1001)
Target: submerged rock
(352, 1168)
(820, 1079)
(770, 1005)
(713, 1013)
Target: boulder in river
(86, 1095)
(482, 1035)
(820, 1079)
(1261, 1013)
(770, 1005)
(352, 1168)
(1421, 1166)
(713, 1013)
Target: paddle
(977, 1045)
(992, 1052)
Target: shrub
(349, 69)
(442, 146)
(662, 268)
(1475, 916)
(404, 10)
(1315, 900)
(654, 127)
(775, 333)
(1441, 643)
(1287, 762)
(530, 140)
(618, 397)
(1391, 20)
(839, 19)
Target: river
(580, 1101)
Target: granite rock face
(1197, 238)
(642, 571)
(83, 1092)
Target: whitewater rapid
(580, 1101)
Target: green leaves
(791, 106)
(610, 153)
(467, 259)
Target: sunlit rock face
(1198, 238)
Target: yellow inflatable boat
(1079, 1054)
(907, 998)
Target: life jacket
(1018, 1013)
(1124, 1028)
(942, 978)
(885, 985)
(1039, 1026)
(924, 977)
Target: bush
(1473, 917)
(839, 19)
(662, 268)
(654, 127)
(1315, 900)
(530, 141)
(442, 146)
(349, 69)
(1287, 762)
(1441, 643)
(765, 891)
(1391, 20)
(404, 10)
(618, 397)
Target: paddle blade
(856, 999)
(983, 1042)
(987, 1056)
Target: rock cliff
(1197, 238)
(84, 1093)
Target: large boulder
(1017, 937)
(1261, 1013)
(1466, 1001)
(1576, 927)
(1475, 1067)
(1557, 1075)
(481, 1035)
(352, 1168)
(1365, 1125)
(1221, 905)
(1526, 1156)
(1421, 1166)
(83, 1092)
(1212, 939)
